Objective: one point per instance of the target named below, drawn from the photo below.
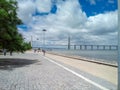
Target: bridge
(94, 47)
(80, 47)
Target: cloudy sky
(85, 21)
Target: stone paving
(38, 75)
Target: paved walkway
(108, 73)
(31, 71)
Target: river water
(109, 56)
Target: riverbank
(84, 59)
(105, 56)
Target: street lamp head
(44, 30)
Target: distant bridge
(80, 47)
(94, 47)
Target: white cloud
(71, 14)
(26, 9)
(43, 5)
(69, 20)
(103, 23)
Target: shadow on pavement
(10, 64)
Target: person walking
(11, 52)
(43, 52)
(4, 52)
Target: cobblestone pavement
(38, 75)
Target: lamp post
(31, 41)
(118, 45)
(44, 30)
(69, 42)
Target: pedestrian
(4, 51)
(43, 52)
(38, 49)
(34, 50)
(11, 52)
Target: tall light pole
(69, 42)
(118, 45)
(44, 30)
(31, 41)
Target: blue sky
(93, 7)
(86, 21)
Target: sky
(90, 22)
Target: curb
(82, 59)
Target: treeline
(10, 38)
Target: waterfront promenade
(33, 71)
